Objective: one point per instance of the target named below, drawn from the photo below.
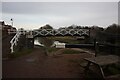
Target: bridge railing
(14, 40)
(62, 32)
(47, 32)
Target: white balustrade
(15, 39)
(63, 32)
(45, 32)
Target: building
(5, 28)
(6, 38)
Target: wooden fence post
(96, 46)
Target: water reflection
(36, 42)
(48, 42)
(58, 44)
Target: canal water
(44, 42)
(37, 43)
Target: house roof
(2, 23)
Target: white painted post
(14, 40)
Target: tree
(78, 27)
(72, 26)
(47, 26)
(113, 29)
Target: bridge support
(29, 41)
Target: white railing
(15, 39)
(63, 32)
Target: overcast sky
(31, 15)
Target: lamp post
(11, 22)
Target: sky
(33, 15)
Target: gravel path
(38, 65)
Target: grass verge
(52, 49)
(69, 51)
(20, 53)
(66, 39)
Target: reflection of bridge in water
(31, 34)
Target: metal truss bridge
(61, 32)
(44, 33)
(53, 32)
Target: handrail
(62, 32)
(14, 40)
